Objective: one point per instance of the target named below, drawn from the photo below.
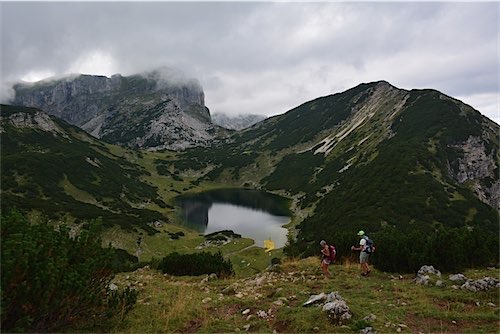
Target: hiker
(365, 248)
(325, 258)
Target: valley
(415, 169)
(374, 157)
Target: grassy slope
(169, 304)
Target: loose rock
(369, 318)
(367, 330)
(337, 309)
(315, 299)
(426, 275)
(458, 278)
(482, 284)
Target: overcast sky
(262, 57)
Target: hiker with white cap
(327, 257)
(366, 248)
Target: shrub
(196, 264)
(52, 281)
(120, 302)
(123, 261)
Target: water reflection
(251, 213)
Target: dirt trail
(240, 250)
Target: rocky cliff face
(152, 110)
(238, 122)
(476, 168)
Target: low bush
(52, 281)
(196, 264)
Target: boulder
(482, 284)
(333, 304)
(315, 299)
(337, 311)
(458, 278)
(427, 275)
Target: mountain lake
(254, 214)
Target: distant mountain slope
(238, 122)
(154, 110)
(373, 157)
(51, 166)
(413, 167)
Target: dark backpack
(333, 252)
(370, 247)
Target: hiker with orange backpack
(328, 253)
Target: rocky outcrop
(154, 110)
(333, 305)
(477, 168)
(38, 121)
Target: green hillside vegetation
(53, 281)
(197, 304)
(346, 162)
(398, 189)
(392, 172)
(47, 172)
(400, 178)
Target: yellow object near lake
(269, 245)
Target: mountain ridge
(400, 164)
(154, 110)
(374, 158)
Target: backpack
(370, 247)
(333, 252)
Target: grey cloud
(255, 51)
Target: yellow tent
(269, 245)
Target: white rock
(315, 298)
(459, 278)
(370, 317)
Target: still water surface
(251, 213)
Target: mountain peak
(154, 110)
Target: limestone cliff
(154, 110)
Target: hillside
(416, 169)
(374, 157)
(153, 110)
(405, 166)
(271, 301)
(56, 168)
